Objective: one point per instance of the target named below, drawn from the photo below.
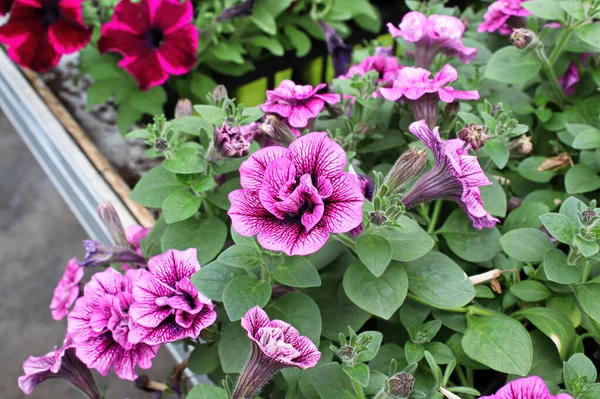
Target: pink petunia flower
(99, 325)
(167, 305)
(293, 198)
(60, 363)
(67, 290)
(386, 67)
(503, 16)
(297, 103)
(569, 79)
(423, 93)
(156, 38)
(135, 235)
(5, 6)
(39, 32)
(433, 35)
(526, 388)
(455, 176)
(275, 345)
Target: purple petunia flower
(569, 79)
(275, 345)
(455, 176)
(135, 235)
(67, 290)
(526, 388)
(503, 16)
(293, 198)
(386, 67)
(60, 363)
(167, 306)
(423, 93)
(340, 52)
(99, 325)
(432, 35)
(297, 103)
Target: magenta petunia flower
(433, 35)
(569, 79)
(455, 176)
(156, 38)
(67, 290)
(297, 103)
(293, 198)
(99, 325)
(5, 6)
(167, 306)
(423, 93)
(60, 363)
(275, 345)
(386, 67)
(39, 32)
(526, 388)
(503, 16)
(135, 235)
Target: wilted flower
(99, 325)
(408, 166)
(297, 103)
(39, 32)
(401, 385)
(522, 38)
(556, 163)
(474, 134)
(60, 363)
(242, 9)
(340, 52)
(112, 221)
(386, 67)
(569, 79)
(183, 108)
(423, 93)
(97, 254)
(67, 290)
(433, 35)
(520, 147)
(230, 142)
(167, 306)
(455, 176)
(277, 130)
(503, 16)
(156, 38)
(526, 388)
(293, 198)
(275, 345)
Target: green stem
(347, 241)
(358, 390)
(210, 211)
(434, 217)
(586, 271)
(461, 376)
(472, 309)
(541, 54)
(559, 46)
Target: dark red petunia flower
(156, 38)
(5, 6)
(39, 32)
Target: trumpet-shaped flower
(526, 388)
(569, 79)
(156, 38)
(423, 93)
(433, 35)
(5, 6)
(297, 103)
(167, 306)
(386, 67)
(293, 198)
(67, 290)
(39, 32)
(99, 325)
(503, 16)
(455, 176)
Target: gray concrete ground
(38, 234)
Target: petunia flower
(98, 254)
(67, 290)
(386, 67)
(275, 345)
(455, 176)
(156, 38)
(99, 325)
(39, 32)
(60, 363)
(134, 236)
(569, 79)
(167, 306)
(433, 35)
(293, 198)
(297, 103)
(5, 6)
(526, 388)
(340, 52)
(231, 142)
(423, 93)
(503, 16)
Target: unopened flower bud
(362, 128)
(466, 22)
(346, 352)
(210, 333)
(340, 52)
(111, 220)
(401, 385)
(474, 134)
(277, 130)
(242, 9)
(230, 142)
(183, 108)
(355, 232)
(378, 218)
(520, 147)
(587, 216)
(219, 93)
(522, 38)
(97, 254)
(406, 168)
(161, 144)
(384, 51)
(335, 110)
(514, 203)
(495, 108)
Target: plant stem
(559, 46)
(472, 309)
(586, 271)
(541, 54)
(461, 376)
(358, 390)
(434, 217)
(346, 241)
(210, 211)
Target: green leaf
(213, 114)
(228, 52)
(359, 373)
(511, 65)
(500, 343)
(298, 39)
(498, 152)
(587, 248)
(526, 215)
(588, 296)
(529, 170)
(494, 198)
(296, 271)
(373, 346)
(581, 179)
(186, 161)
(574, 9)
(439, 281)
(234, 348)
(375, 252)
(206, 183)
(526, 245)
(204, 359)
(583, 367)
(409, 241)
(154, 187)
(530, 291)
(207, 235)
(547, 9)
(242, 256)
(268, 43)
(201, 85)
(586, 137)
(220, 196)
(559, 226)
(441, 353)
(557, 268)
(413, 352)
(546, 361)
(263, 17)
(212, 279)
(180, 205)
(589, 34)
(381, 296)
(243, 293)
(300, 311)
(252, 114)
(192, 125)
(331, 381)
(203, 391)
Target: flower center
(304, 200)
(155, 37)
(273, 343)
(50, 12)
